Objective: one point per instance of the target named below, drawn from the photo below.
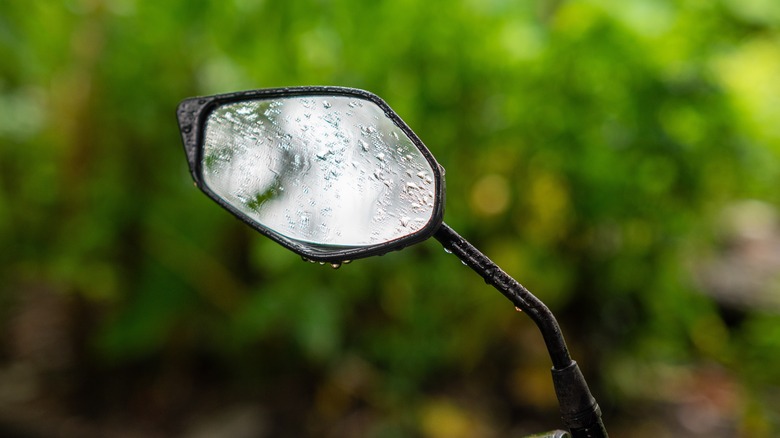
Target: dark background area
(620, 159)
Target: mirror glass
(327, 171)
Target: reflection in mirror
(329, 171)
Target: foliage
(591, 148)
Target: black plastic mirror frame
(192, 114)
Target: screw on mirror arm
(579, 409)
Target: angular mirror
(331, 173)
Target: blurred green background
(619, 158)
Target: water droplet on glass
(518, 309)
(326, 104)
(381, 156)
(411, 186)
(395, 135)
(447, 250)
(305, 259)
(335, 265)
(363, 145)
(321, 263)
(422, 174)
(346, 262)
(405, 221)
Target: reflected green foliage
(598, 150)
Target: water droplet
(388, 183)
(305, 259)
(381, 156)
(447, 250)
(422, 174)
(395, 135)
(518, 309)
(326, 104)
(411, 186)
(363, 145)
(346, 262)
(321, 263)
(335, 265)
(405, 221)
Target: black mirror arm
(579, 409)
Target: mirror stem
(521, 297)
(579, 409)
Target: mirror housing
(398, 201)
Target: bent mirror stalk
(334, 174)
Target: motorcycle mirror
(334, 175)
(330, 173)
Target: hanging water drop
(335, 265)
